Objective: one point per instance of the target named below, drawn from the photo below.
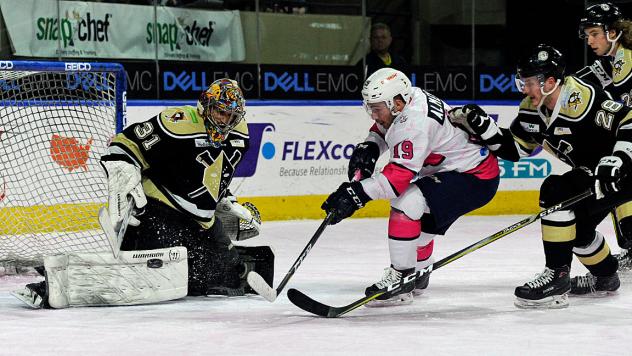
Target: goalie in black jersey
(177, 167)
(579, 124)
(609, 36)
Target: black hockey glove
(345, 201)
(610, 171)
(474, 120)
(364, 157)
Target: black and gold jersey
(613, 73)
(180, 166)
(582, 128)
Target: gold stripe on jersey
(595, 258)
(624, 210)
(558, 233)
(622, 66)
(130, 145)
(182, 121)
(528, 146)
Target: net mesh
(54, 126)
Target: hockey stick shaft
(357, 176)
(304, 253)
(306, 303)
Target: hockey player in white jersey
(434, 175)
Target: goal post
(56, 120)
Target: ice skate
(421, 284)
(34, 295)
(401, 295)
(548, 290)
(625, 260)
(594, 286)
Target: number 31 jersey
(180, 166)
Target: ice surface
(467, 310)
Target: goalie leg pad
(99, 279)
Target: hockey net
(56, 120)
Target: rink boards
(300, 150)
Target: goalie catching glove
(123, 179)
(240, 222)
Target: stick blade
(260, 286)
(308, 304)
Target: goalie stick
(310, 305)
(115, 238)
(262, 288)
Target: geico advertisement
(304, 150)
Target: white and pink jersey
(422, 142)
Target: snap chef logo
(193, 34)
(75, 27)
(311, 82)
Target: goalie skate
(401, 295)
(548, 290)
(625, 260)
(34, 295)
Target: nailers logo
(618, 67)
(68, 153)
(574, 100)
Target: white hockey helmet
(383, 86)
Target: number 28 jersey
(421, 142)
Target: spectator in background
(380, 55)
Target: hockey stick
(115, 238)
(262, 288)
(308, 304)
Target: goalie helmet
(604, 15)
(543, 61)
(222, 108)
(383, 86)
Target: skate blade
(400, 299)
(595, 295)
(417, 292)
(26, 296)
(552, 302)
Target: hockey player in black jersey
(609, 36)
(580, 124)
(177, 167)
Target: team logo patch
(530, 127)
(562, 131)
(618, 66)
(177, 117)
(237, 143)
(574, 100)
(203, 142)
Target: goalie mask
(543, 62)
(222, 108)
(383, 86)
